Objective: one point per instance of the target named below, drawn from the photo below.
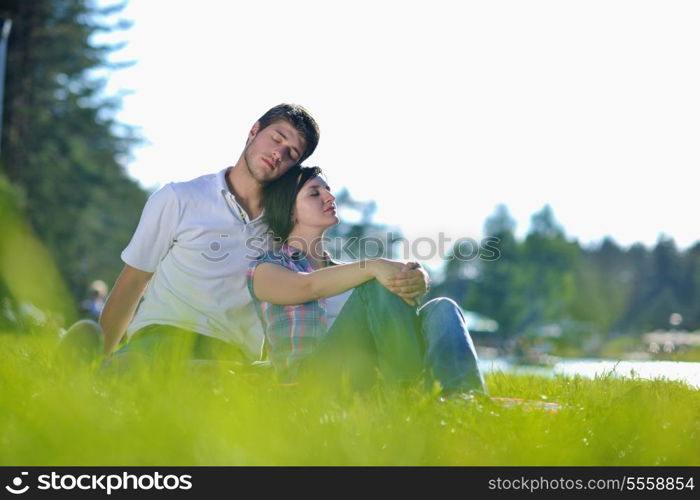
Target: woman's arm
(279, 285)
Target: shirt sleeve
(156, 231)
(253, 265)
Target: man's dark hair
(279, 198)
(299, 118)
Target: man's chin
(263, 176)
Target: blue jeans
(450, 352)
(376, 329)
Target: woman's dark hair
(279, 198)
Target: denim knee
(440, 307)
(374, 291)
(443, 326)
(451, 353)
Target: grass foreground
(55, 411)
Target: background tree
(659, 289)
(603, 285)
(358, 236)
(549, 262)
(690, 290)
(499, 286)
(602, 288)
(60, 141)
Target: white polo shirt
(198, 241)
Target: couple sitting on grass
(191, 255)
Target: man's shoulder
(203, 189)
(204, 184)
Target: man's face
(270, 152)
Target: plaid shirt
(292, 332)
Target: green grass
(57, 412)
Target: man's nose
(283, 152)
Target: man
(190, 248)
(95, 301)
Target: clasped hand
(407, 280)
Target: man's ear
(254, 130)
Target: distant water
(672, 370)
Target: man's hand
(411, 283)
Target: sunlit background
(568, 130)
(438, 110)
(434, 112)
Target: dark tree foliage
(660, 289)
(532, 282)
(604, 284)
(60, 144)
(547, 279)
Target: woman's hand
(407, 280)
(411, 283)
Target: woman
(325, 318)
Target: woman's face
(315, 205)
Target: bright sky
(438, 110)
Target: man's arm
(121, 305)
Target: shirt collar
(292, 252)
(221, 181)
(222, 187)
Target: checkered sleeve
(292, 332)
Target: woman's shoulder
(284, 257)
(269, 256)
